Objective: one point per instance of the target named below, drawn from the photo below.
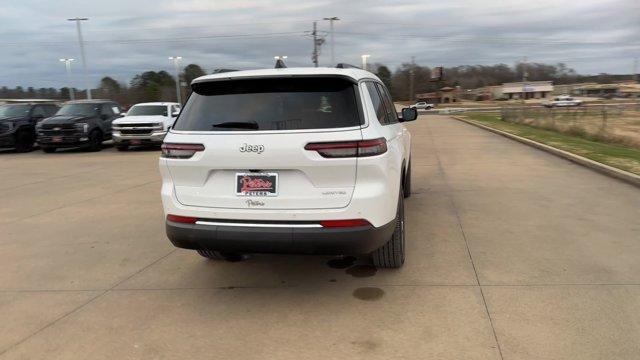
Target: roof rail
(346, 66)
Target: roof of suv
(28, 101)
(157, 103)
(354, 73)
(92, 101)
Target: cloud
(126, 37)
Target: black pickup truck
(18, 123)
(81, 123)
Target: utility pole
(412, 74)
(317, 42)
(331, 20)
(524, 78)
(314, 57)
(83, 57)
(176, 60)
(67, 65)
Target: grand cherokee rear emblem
(258, 149)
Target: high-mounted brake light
(181, 219)
(180, 151)
(344, 223)
(345, 149)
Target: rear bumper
(291, 240)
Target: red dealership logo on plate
(254, 184)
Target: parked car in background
(18, 123)
(563, 101)
(265, 161)
(144, 124)
(422, 105)
(81, 123)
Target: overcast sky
(127, 37)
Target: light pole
(331, 20)
(364, 61)
(176, 60)
(84, 59)
(67, 65)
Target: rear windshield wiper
(252, 125)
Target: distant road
(454, 110)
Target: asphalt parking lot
(512, 254)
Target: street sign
(437, 74)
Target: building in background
(623, 89)
(445, 95)
(484, 93)
(527, 90)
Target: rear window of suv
(293, 103)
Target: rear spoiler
(196, 82)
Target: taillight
(180, 151)
(181, 219)
(344, 149)
(344, 223)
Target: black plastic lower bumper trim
(328, 241)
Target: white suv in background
(144, 124)
(292, 160)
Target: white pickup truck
(144, 124)
(422, 105)
(563, 101)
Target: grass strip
(621, 157)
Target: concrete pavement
(512, 254)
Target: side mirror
(123, 114)
(409, 114)
(175, 114)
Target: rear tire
(48, 149)
(95, 140)
(24, 141)
(391, 255)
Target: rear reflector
(181, 219)
(180, 151)
(344, 223)
(345, 149)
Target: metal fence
(610, 123)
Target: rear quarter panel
(378, 177)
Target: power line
(207, 26)
(478, 39)
(164, 40)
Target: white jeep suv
(144, 124)
(292, 160)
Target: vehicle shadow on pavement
(185, 269)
